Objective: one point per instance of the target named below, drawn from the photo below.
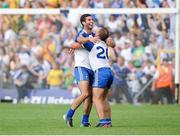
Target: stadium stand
(41, 41)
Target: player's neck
(87, 30)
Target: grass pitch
(127, 119)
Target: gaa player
(103, 76)
(83, 73)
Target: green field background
(127, 119)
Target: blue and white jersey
(81, 55)
(98, 55)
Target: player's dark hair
(83, 18)
(103, 33)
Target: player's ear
(83, 23)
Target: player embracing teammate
(92, 72)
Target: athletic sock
(85, 119)
(70, 113)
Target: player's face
(98, 33)
(89, 22)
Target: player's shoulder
(101, 43)
(80, 32)
(93, 34)
(86, 34)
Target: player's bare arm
(76, 45)
(73, 46)
(83, 40)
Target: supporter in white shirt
(9, 35)
(113, 23)
(149, 68)
(98, 4)
(127, 52)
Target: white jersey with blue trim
(81, 55)
(98, 55)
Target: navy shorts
(103, 78)
(83, 74)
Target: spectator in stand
(67, 30)
(24, 54)
(9, 35)
(5, 4)
(2, 65)
(117, 40)
(149, 70)
(67, 64)
(54, 3)
(30, 25)
(153, 45)
(113, 23)
(117, 3)
(69, 40)
(40, 69)
(126, 52)
(54, 33)
(128, 4)
(141, 4)
(33, 46)
(49, 51)
(55, 77)
(155, 32)
(131, 66)
(138, 53)
(164, 4)
(170, 46)
(97, 3)
(148, 55)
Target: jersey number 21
(102, 53)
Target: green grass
(127, 119)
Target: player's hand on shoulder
(94, 39)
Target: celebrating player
(83, 73)
(103, 77)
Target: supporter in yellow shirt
(13, 3)
(55, 77)
(53, 3)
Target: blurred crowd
(34, 48)
(87, 3)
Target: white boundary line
(92, 11)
